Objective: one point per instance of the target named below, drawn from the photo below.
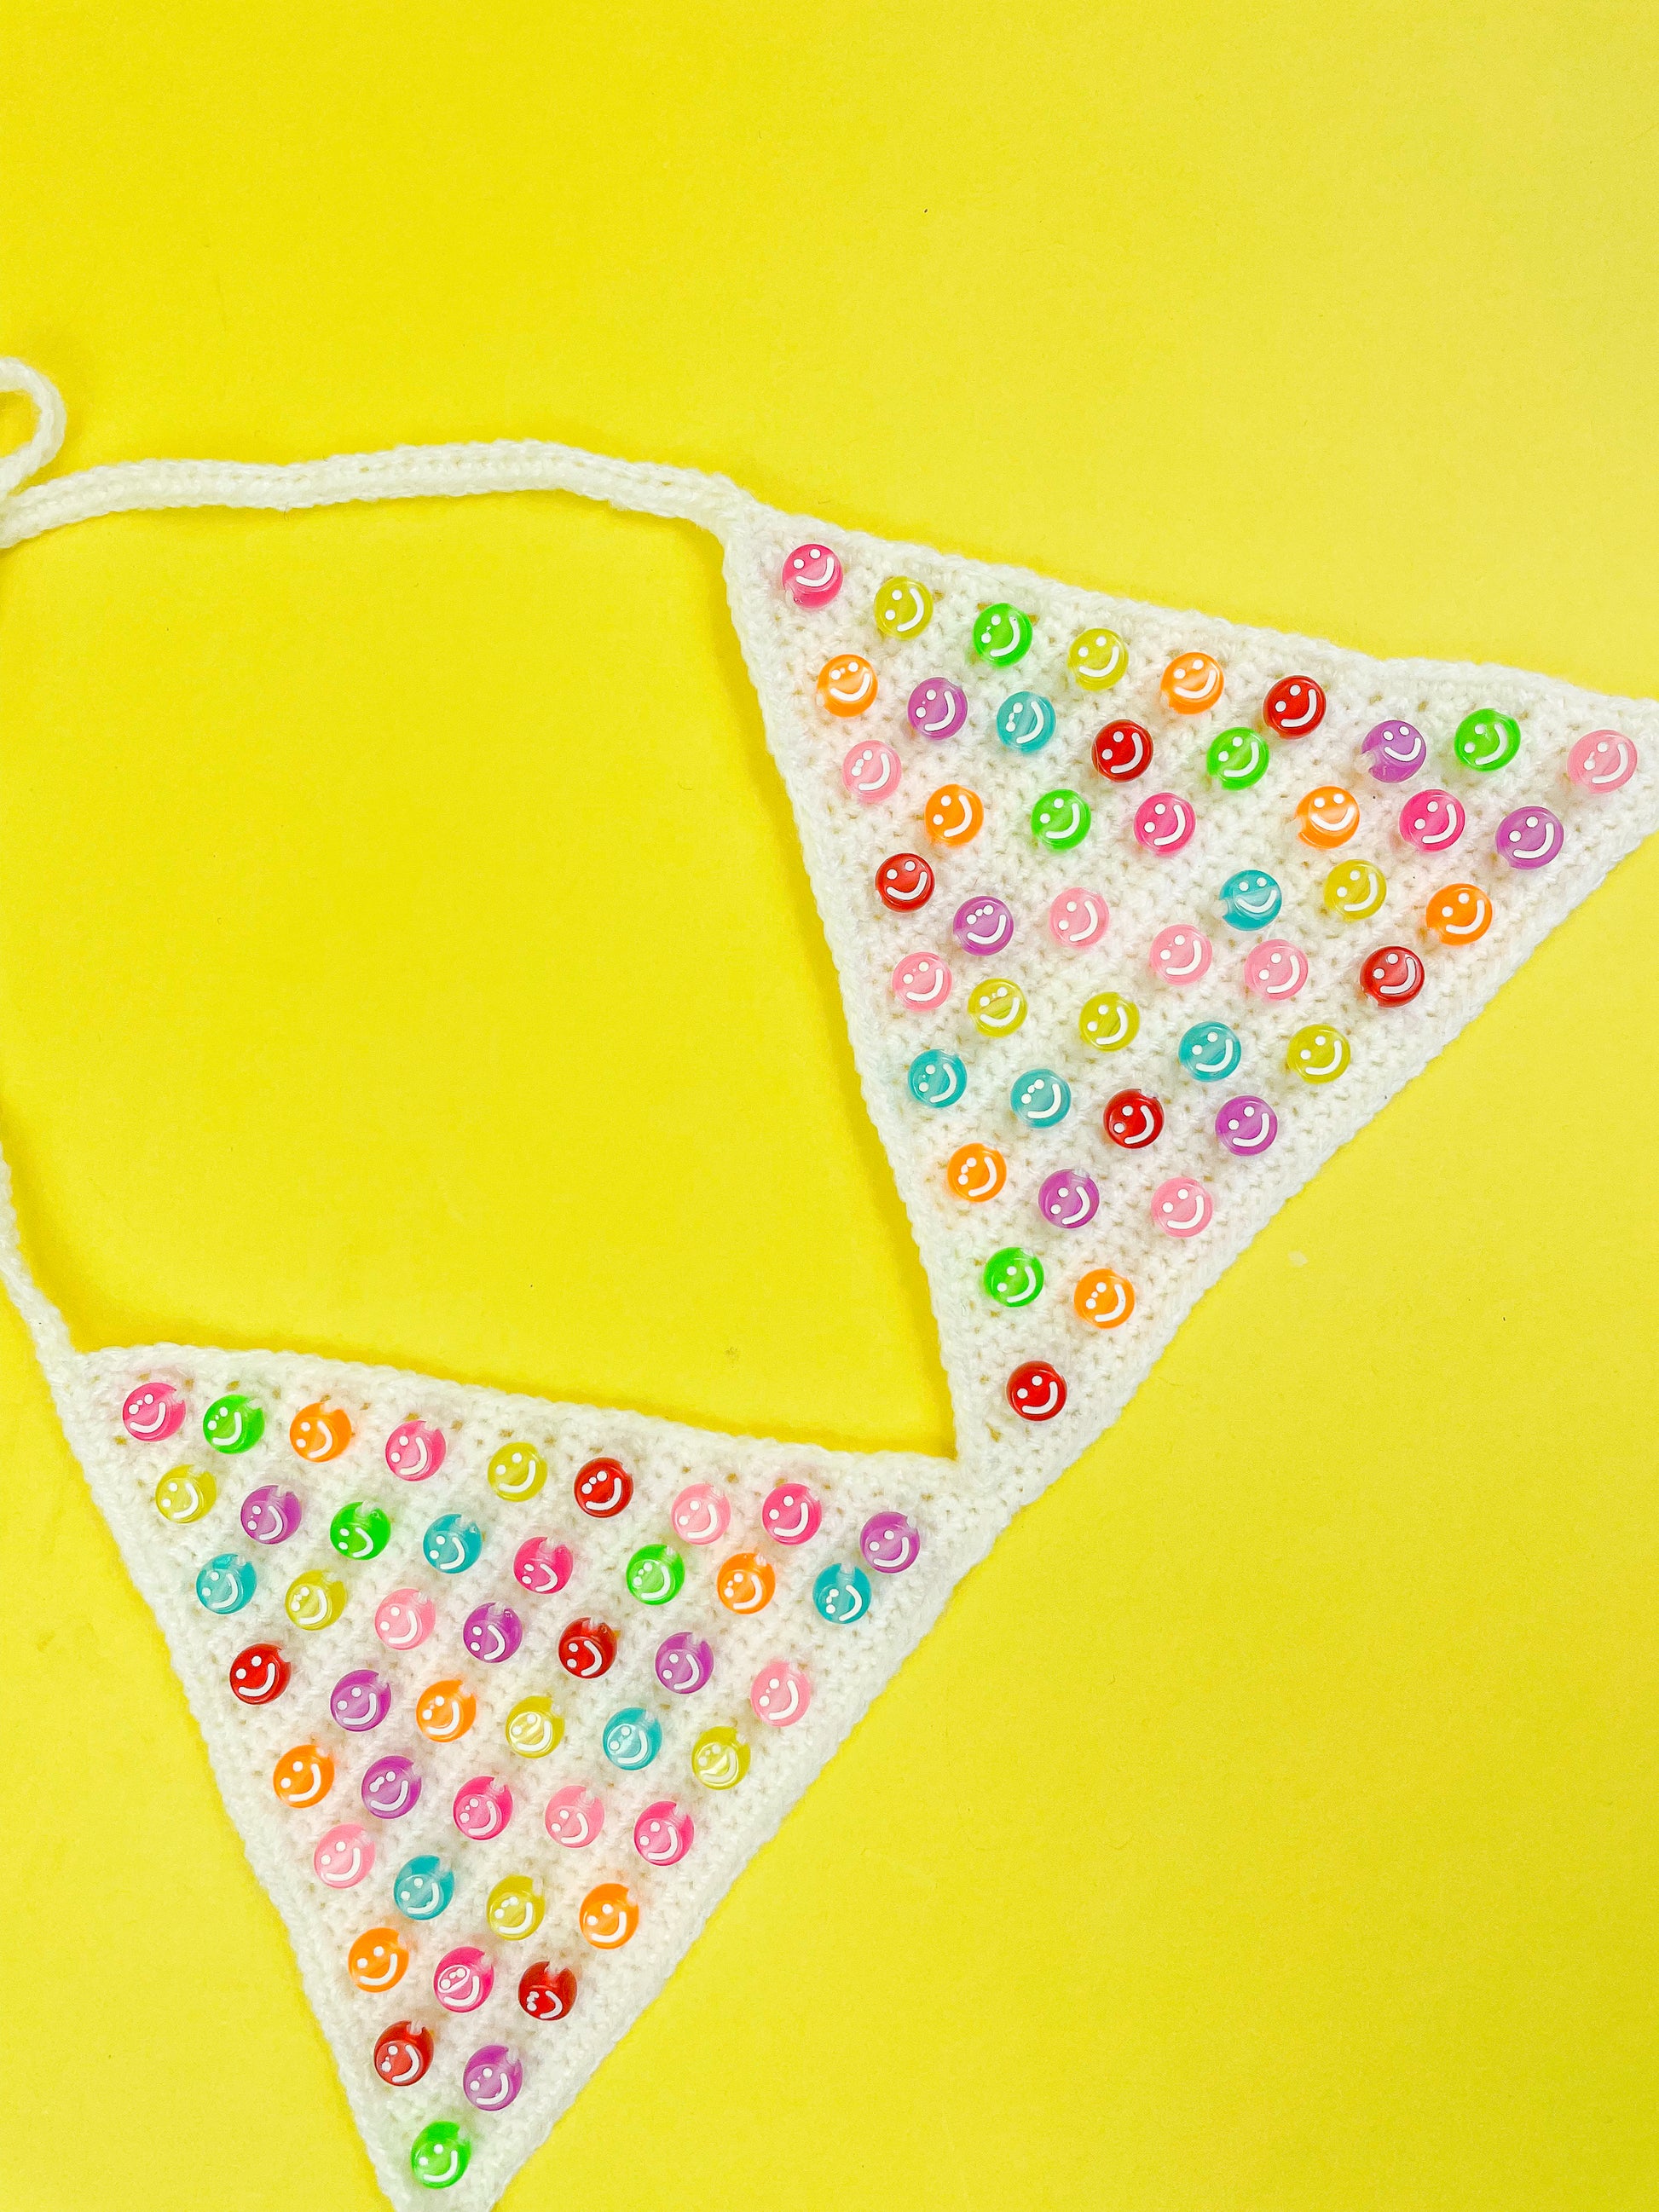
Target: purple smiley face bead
(1394, 751)
(270, 1516)
(1069, 1199)
(982, 926)
(492, 1633)
(889, 1543)
(360, 1699)
(1531, 837)
(1246, 1127)
(493, 2078)
(936, 709)
(391, 1788)
(684, 1663)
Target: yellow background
(404, 953)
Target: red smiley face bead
(1295, 707)
(604, 1488)
(1036, 1391)
(1133, 1119)
(1392, 975)
(259, 1675)
(1123, 750)
(402, 2054)
(587, 1649)
(546, 1993)
(904, 882)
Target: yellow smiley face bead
(184, 1495)
(315, 1600)
(1355, 890)
(1108, 1022)
(533, 1729)
(903, 607)
(1318, 1054)
(1097, 659)
(996, 1007)
(515, 1908)
(719, 1759)
(516, 1471)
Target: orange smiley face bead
(976, 1172)
(1191, 682)
(303, 1776)
(1460, 914)
(445, 1711)
(609, 1916)
(746, 1583)
(318, 1431)
(954, 815)
(1326, 817)
(847, 685)
(377, 1959)
(1103, 1298)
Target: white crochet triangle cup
(1137, 916)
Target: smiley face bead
(1460, 914)
(632, 1738)
(587, 1649)
(983, 926)
(719, 1759)
(303, 1777)
(1096, 659)
(533, 1729)
(1179, 956)
(545, 1994)
(903, 607)
(445, 1711)
(1181, 1207)
(701, 1514)
(1275, 970)
(492, 1633)
(1250, 899)
(391, 1787)
(1209, 1052)
(1191, 683)
(996, 1007)
(1078, 919)
(663, 1835)
(440, 2154)
(483, 1808)
(319, 1432)
(1164, 822)
(360, 1700)
(541, 1565)
(976, 1172)
(1001, 635)
(841, 1595)
(259, 1675)
(226, 1583)
(152, 1413)
(1394, 751)
(1327, 817)
(1604, 760)
(746, 1583)
(492, 2078)
(269, 1515)
(1103, 1298)
(791, 1515)
(1025, 722)
(1392, 976)
(684, 1663)
(604, 1488)
(574, 1818)
(890, 1543)
(1531, 837)
(378, 1960)
(953, 815)
(1355, 890)
(1294, 708)
(1133, 1119)
(1236, 759)
(904, 882)
(936, 709)
(936, 1079)
(464, 1978)
(922, 982)
(315, 1600)
(344, 1857)
(812, 575)
(655, 1574)
(1487, 740)
(779, 1694)
(1246, 1128)
(871, 771)
(1036, 1391)
(1318, 1054)
(405, 1619)
(1123, 752)
(514, 1909)
(1061, 820)
(184, 1495)
(846, 686)
(1040, 1098)
(1013, 1277)
(1433, 821)
(516, 1471)
(1068, 1199)
(415, 1450)
(609, 1916)
(403, 2053)
(452, 1544)
(233, 1424)
(424, 1888)
(359, 1531)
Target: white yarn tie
(50, 423)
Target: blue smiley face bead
(1061, 820)
(841, 1595)
(1001, 635)
(1210, 1051)
(423, 1888)
(1250, 900)
(226, 1583)
(1025, 722)
(632, 1738)
(453, 1545)
(936, 1079)
(1040, 1098)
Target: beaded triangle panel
(500, 1694)
(1138, 916)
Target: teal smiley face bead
(1013, 1277)
(1061, 820)
(1250, 899)
(1025, 722)
(359, 1531)
(1040, 1098)
(453, 1545)
(423, 1888)
(1486, 739)
(1236, 759)
(841, 1595)
(655, 1574)
(1209, 1052)
(632, 1738)
(440, 2154)
(936, 1079)
(1001, 635)
(226, 1584)
(235, 1423)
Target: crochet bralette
(1137, 916)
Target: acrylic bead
(1069, 1199)
(936, 1079)
(269, 1515)
(702, 1514)
(492, 1633)
(1025, 722)
(655, 1574)
(1529, 838)
(1164, 822)
(812, 575)
(1209, 1052)
(1061, 820)
(344, 1857)
(233, 1424)
(846, 686)
(403, 2053)
(445, 1711)
(1487, 740)
(871, 771)
(791, 1515)
(152, 1412)
(185, 1495)
(1179, 956)
(976, 1172)
(663, 1835)
(1433, 821)
(684, 1663)
(259, 1675)
(1133, 1119)
(516, 1471)
(405, 1619)
(1014, 1277)
(483, 1808)
(1394, 751)
(953, 815)
(315, 1600)
(532, 1729)
(1318, 1054)
(541, 1565)
(1078, 919)
(609, 1916)
(514, 1909)
(1294, 708)
(890, 1543)
(1097, 659)
(463, 1978)
(360, 1700)
(779, 1694)
(1275, 970)
(603, 1488)
(1123, 752)
(1392, 976)
(1236, 758)
(587, 1649)
(362, 1532)
(1246, 1128)
(1036, 1391)
(936, 709)
(1181, 1207)
(440, 2154)
(1001, 635)
(415, 1450)
(1326, 817)
(226, 1583)
(574, 1817)
(1602, 762)
(996, 1007)
(452, 1544)
(1250, 899)
(391, 1787)
(921, 982)
(302, 1777)
(1355, 890)
(841, 1595)
(1103, 1298)
(903, 607)
(719, 1759)
(378, 1960)
(1108, 1022)
(1191, 683)
(545, 1993)
(1459, 915)
(746, 1583)
(424, 1888)
(983, 926)
(319, 1432)
(1040, 1098)
(492, 2078)
(904, 882)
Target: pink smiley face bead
(921, 983)
(541, 1565)
(811, 575)
(1604, 760)
(871, 771)
(889, 1543)
(663, 1835)
(483, 1808)
(779, 1694)
(936, 709)
(701, 1515)
(1164, 822)
(405, 1619)
(1181, 1209)
(414, 1450)
(1179, 956)
(270, 1516)
(1275, 971)
(152, 1412)
(574, 1817)
(1432, 821)
(344, 1856)
(791, 1515)
(1246, 1127)
(1078, 919)
(1529, 838)
(463, 1980)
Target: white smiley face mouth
(1258, 905)
(1286, 986)
(1177, 833)
(605, 1500)
(151, 1425)
(916, 898)
(606, 1935)
(1402, 752)
(572, 1828)
(851, 687)
(1119, 1307)
(401, 2065)
(1041, 1107)
(1177, 969)
(953, 818)
(745, 1593)
(988, 1020)
(1019, 1289)
(1473, 925)
(1216, 1066)
(698, 1523)
(1240, 1143)
(1133, 1136)
(515, 1921)
(370, 1983)
(1055, 831)
(983, 1188)
(255, 1688)
(660, 1847)
(718, 1770)
(1294, 725)
(1432, 840)
(492, 2100)
(791, 1532)
(1546, 851)
(459, 1989)
(1035, 1410)
(1185, 1211)
(443, 1723)
(847, 1604)
(1404, 989)
(1118, 1033)
(1245, 762)
(1132, 763)
(391, 1795)
(1326, 1066)
(400, 1633)
(773, 1709)
(346, 1876)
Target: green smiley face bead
(903, 607)
(233, 1424)
(1486, 739)
(359, 1531)
(1001, 635)
(1236, 759)
(1013, 1277)
(1061, 820)
(655, 1574)
(440, 2154)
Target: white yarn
(960, 1506)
